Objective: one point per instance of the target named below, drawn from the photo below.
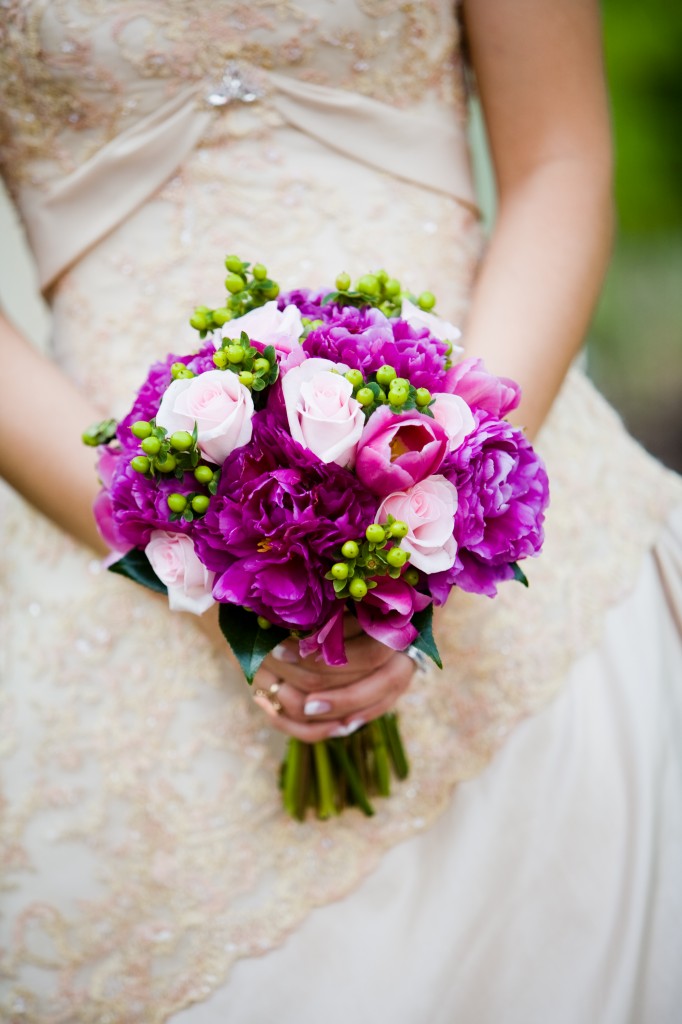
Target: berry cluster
(256, 371)
(385, 387)
(380, 290)
(246, 290)
(360, 561)
(177, 454)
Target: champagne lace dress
(148, 872)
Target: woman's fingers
(309, 675)
(335, 711)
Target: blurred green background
(635, 347)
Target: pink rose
(398, 449)
(441, 329)
(174, 561)
(386, 612)
(221, 407)
(323, 415)
(482, 390)
(454, 416)
(429, 509)
(267, 324)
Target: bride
(529, 868)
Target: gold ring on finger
(271, 696)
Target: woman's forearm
(540, 278)
(539, 70)
(42, 417)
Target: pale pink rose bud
(221, 407)
(454, 416)
(189, 582)
(429, 509)
(323, 415)
(441, 329)
(267, 324)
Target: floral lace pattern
(142, 843)
(73, 75)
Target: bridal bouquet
(321, 455)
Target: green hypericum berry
(221, 316)
(203, 474)
(177, 369)
(263, 622)
(401, 383)
(339, 571)
(181, 440)
(368, 284)
(343, 282)
(168, 465)
(365, 396)
(261, 365)
(386, 374)
(382, 276)
(200, 503)
(235, 283)
(350, 549)
(375, 534)
(411, 576)
(184, 374)
(199, 321)
(259, 272)
(273, 291)
(177, 502)
(246, 378)
(426, 301)
(220, 358)
(141, 429)
(355, 378)
(423, 396)
(235, 354)
(396, 557)
(392, 287)
(398, 529)
(398, 397)
(140, 464)
(150, 445)
(234, 264)
(357, 588)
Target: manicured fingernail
(348, 730)
(316, 707)
(283, 653)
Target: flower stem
(342, 759)
(381, 759)
(325, 781)
(389, 724)
(292, 776)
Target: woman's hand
(312, 701)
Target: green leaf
(339, 585)
(423, 622)
(519, 574)
(136, 566)
(99, 433)
(249, 642)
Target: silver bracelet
(418, 657)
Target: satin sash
(67, 219)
